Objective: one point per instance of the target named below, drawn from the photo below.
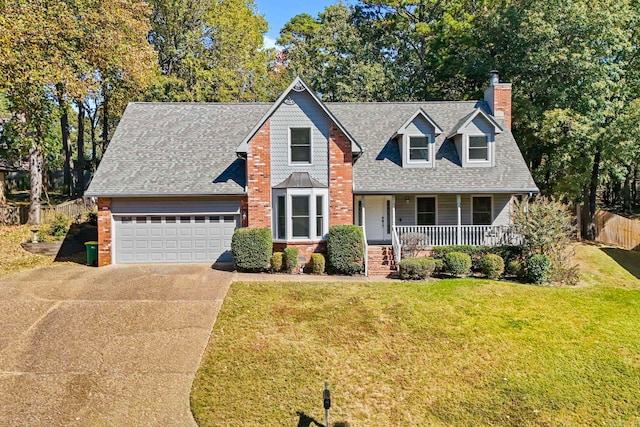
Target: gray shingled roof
(177, 149)
(379, 169)
(189, 149)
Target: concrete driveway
(102, 347)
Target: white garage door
(174, 238)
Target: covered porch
(427, 220)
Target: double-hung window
(478, 148)
(419, 149)
(426, 210)
(300, 145)
(481, 210)
(300, 217)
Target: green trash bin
(92, 253)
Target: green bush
(492, 266)
(345, 245)
(439, 264)
(58, 226)
(458, 263)
(506, 252)
(276, 261)
(251, 248)
(290, 259)
(418, 268)
(316, 265)
(516, 268)
(538, 267)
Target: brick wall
(340, 178)
(304, 248)
(104, 231)
(259, 178)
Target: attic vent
(298, 87)
(289, 101)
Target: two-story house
(179, 178)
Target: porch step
(380, 260)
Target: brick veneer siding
(340, 177)
(259, 178)
(304, 248)
(104, 231)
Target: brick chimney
(498, 96)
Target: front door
(378, 218)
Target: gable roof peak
(464, 122)
(424, 115)
(297, 85)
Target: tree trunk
(66, 144)
(105, 122)
(36, 166)
(593, 189)
(80, 147)
(3, 198)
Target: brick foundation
(259, 178)
(304, 248)
(104, 231)
(340, 177)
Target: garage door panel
(184, 238)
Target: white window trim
(424, 196)
(467, 146)
(406, 150)
(471, 207)
(311, 193)
(291, 162)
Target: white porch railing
(397, 246)
(425, 236)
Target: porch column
(364, 219)
(459, 230)
(393, 213)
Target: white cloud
(268, 42)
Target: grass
(12, 257)
(450, 352)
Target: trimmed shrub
(439, 264)
(290, 259)
(277, 261)
(458, 263)
(538, 267)
(251, 248)
(316, 265)
(416, 268)
(506, 252)
(516, 268)
(492, 266)
(345, 245)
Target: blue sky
(279, 12)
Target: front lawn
(451, 352)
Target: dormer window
(415, 140)
(300, 145)
(419, 149)
(478, 148)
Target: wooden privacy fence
(617, 230)
(71, 209)
(15, 215)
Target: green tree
(335, 56)
(209, 50)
